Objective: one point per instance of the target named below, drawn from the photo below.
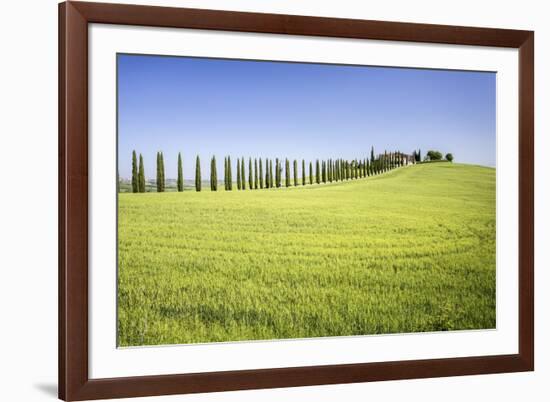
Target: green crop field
(407, 251)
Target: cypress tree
(243, 176)
(141, 175)
(255, 174)
(229, 174)
(271, 173)
(225, 173)
(372, 153)
(323, 171)
(159, 188)
(261, 174)
(267, 175)
(329, 171)
(287, 172)
(277, 174)
(198, 174)
(310, 173)
(213, 175)
(303, 172)
(135, 185)
(295, 172)
(180, 173)
(238, 174)
(317, 172)
(250, 175)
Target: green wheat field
(410, 250)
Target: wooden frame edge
(74, 382)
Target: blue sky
(296, 110)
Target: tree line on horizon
(262, 174)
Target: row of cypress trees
(326, 171)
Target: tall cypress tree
(277, 173)
(261, 174)
(135, 185)
(213, 175)
(159, 186)
(287, 172)
(295, 172)
(310, 172)
(323, 171)
(372, 153)
(229, 175)
(180, 173)
(267, 175)
(198, 184)
(250, 175)
(303, 172)
(238, 174)
(317, 172)
(141, 175)
(243, 176)
(271, 173)
(255, 173)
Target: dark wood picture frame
(74, 382)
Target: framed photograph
(259, 200)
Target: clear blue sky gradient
(296, 110)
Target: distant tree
(268, 178)
(255, 173)
(135, 185)
(295, 172)
(449, 157)
(238, 174)
(243, 176)
(317, 172)
(213, 175)
(141, 175)
(372, 153)
(250, 175)
(434, 155)
(229, 174)
(159, 185)
(287, 173)
(180, 173)
(303, 172)
(323, 171)
(271, 173)
(277, 173)
(368, 167)
(329, 171)
(198, 174)
(261, 174)
(225, 173)
(419, 155)
(310, 172)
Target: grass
(408, 251)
